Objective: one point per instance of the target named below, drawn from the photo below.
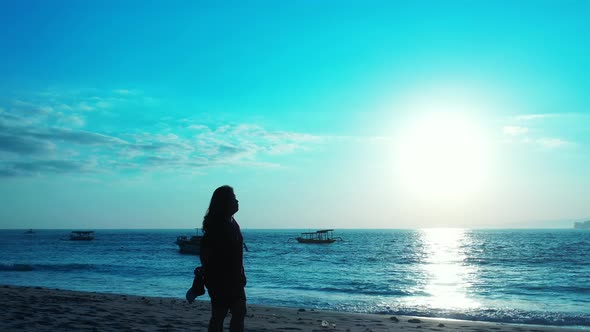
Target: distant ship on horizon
(582, 224)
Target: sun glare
(442, 153)
(448, 279)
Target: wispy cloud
(515, 130)
(40, 167)
(71, 120)
(84, 107)
(56, 135)
(244, 142)
(552, 143)
(22, 145)
(125, 92)
(527, 117)
(546, 133)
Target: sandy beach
(42, 309)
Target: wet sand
(42, 309)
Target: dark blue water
(516, 276)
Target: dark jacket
(222, 259)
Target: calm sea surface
(515, 276)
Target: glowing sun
(442, 154)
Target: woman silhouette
(222, 259)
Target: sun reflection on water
(447, 278)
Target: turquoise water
(514, 276)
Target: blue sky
(393, 114)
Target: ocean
(513, 276)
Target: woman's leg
(219, 309)
(238, 314)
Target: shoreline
(44, 309)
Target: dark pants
(219, 308)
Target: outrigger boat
(189, 245)
(192, 245)
(81, 235)
(321, 236)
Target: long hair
(220, 200)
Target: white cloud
(103, 104)
(515, 130)
(123, 92)
(28, 108)
(283, 148)
(20, 103)
(74, 120)
(541, 133)
(83, 106)
(527, 117)
(43, 136)
(552, 143)
(198, 127)
(64, 107)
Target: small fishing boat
(192, 245)
(30, 231)
(189, 245)
(322, 236)
(82, 235)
